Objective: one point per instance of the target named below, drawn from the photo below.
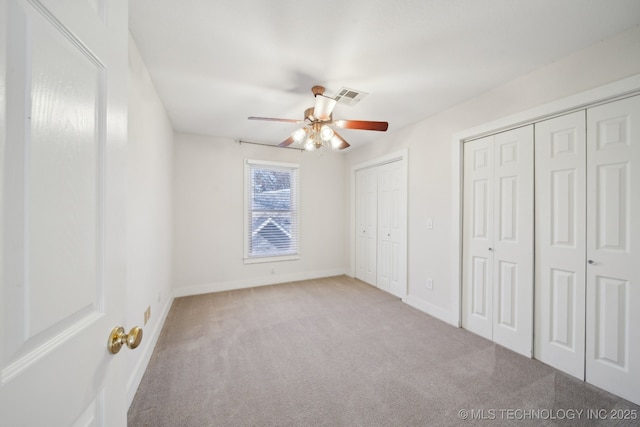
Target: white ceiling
(216, 62)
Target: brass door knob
(118, 338)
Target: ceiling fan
(317, 132)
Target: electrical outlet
(430, 284)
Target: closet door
(477, 256)
(366, 224)
(391, 211)
(384, 228)
(613, 248)
(513, 240)
(560, 182)
(497, 293)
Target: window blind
(272, 210)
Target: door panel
(391, 212)
(397, 258)
(64, 75)
(508, 209)
(513, 242)
(611, 320)
(481, 208)
(366, 225)
(360, 225)
(507, 294)
(560, 242)
(480, 291)
(397, 229)
(477, 292)
(612, 183)
(613, 274)
(384, 227)
(562, 309)
(384, 264)
(63, 280)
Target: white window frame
(247, 210)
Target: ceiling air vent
(349, 96)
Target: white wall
(149, 214)
(208, 196)
(431, 182)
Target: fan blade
(362, 125)
(271, 119)
(287, 142)
(343, 144)
(323, 108)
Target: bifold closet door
(381, 227)
(613, 248)
(366, 225)
(391, 211)
(498, 238)
(587, 321)
(560, 153)
(477, 287)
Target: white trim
(206, 288)
(391, 157)
(274, 164)
(606, 93)
(402, 156)
(152, 339)
(351, 270)
(258, 260)
(432, 310)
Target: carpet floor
(339, 352)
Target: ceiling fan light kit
(315, 136)
(317, 133)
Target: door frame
(403, 157)
(624, 88)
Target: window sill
(258, 260)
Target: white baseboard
(432, 310)
(141, 366)
(253, 282)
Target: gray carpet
(339, 352)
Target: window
(271, 211)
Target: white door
(513, 240)
(391, 212)
(498, 238)
(560, 154)
(613, 248)
(63, 68)
(366, 225)
(384, 228)
(477, 256)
